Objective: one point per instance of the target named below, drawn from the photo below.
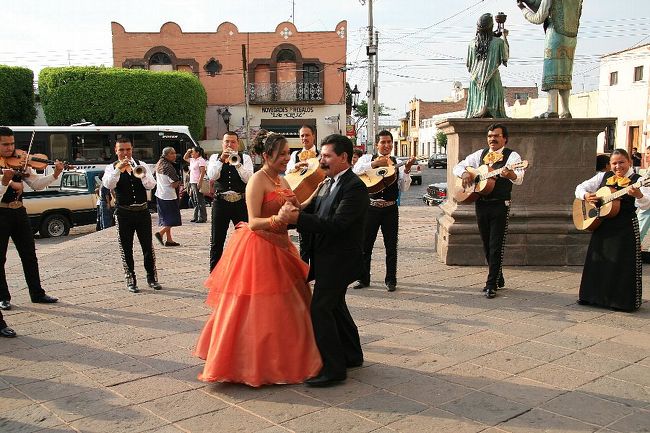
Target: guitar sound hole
(381, 172)
(593, 213)
(303, 171)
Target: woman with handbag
(195, 156)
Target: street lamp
(225, 115)
(355, 97)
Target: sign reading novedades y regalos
(288, 112)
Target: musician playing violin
(15, 224)
(492, 210)
(611, 276)
(383, 212)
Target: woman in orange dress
(260, 330)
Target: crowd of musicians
(338, 225)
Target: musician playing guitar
(383, 212)
(492, 209)
(611, 276)
(298, 160)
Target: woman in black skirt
(167, 181)
(612, 273)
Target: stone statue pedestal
(562, 153)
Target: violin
(37, 161)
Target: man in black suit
(334, 220)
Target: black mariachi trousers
(386, 219)
(130, 222)
(14, 224)
(222, 213)
(492, 218)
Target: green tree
(361, 114)
(115, 96)
(16, 96)
(441, 139)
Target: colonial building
(292, 78)
(624, 93)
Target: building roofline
(625, 50)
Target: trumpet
(232, 158)
(139, 171)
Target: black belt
(134, 207)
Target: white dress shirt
(364, 164)
(112, 176)
(245, 168)
(292, 159)
(474, 160)
(35, 181)
(591, 185)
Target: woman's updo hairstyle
(621, 152)
(267, 142)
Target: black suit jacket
(336, 242)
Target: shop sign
(288, 112)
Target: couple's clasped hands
(288, 213)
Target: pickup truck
(54, 210)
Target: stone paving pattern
(439, 357)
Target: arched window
(286, 55)
(160, 62)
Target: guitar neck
(620, 193)
(496, 172)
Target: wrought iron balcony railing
(290, 91)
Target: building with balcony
(292, 78)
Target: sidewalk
(439, 357)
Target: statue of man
(484, 56)
(561, 19)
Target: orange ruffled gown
(260, 331)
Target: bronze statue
(484, 56)
(561, 19)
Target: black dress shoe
(391, 287)
(490, 293)
(7, 332)
(158, 236)
(322, 380)
(133, 288)
(358, 285)
(192, 220)
(45, 299)
(172, 244)
(154, 284)
(5, 305)
(582, 302)
(354, 364)
(501, 283)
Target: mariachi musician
(14, 221)
(130, 179)
(383, 211)
(298, 160)
(492, 210)
(230, 170)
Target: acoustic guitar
(304, 181)
(484, 181)
(588, 216)
(378, 179)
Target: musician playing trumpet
(230, 170)
(611, 276)
(383, 211)
(130, 180)
(492, 210)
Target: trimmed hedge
(115, 96)
(16, 96)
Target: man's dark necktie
(325, 199)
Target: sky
(422, 43)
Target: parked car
(436, 194)
(53, 211)
(437, 160)
(416, 171)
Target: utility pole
(376, 83)
(245, 71)
(371, 50)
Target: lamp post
(355, 96)
(225, 115)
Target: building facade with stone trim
(294, 78)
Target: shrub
(16, 96)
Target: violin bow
(29, 150)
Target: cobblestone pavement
(439, 356)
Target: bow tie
(492, 157)
(620, 181)
(306, 154)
